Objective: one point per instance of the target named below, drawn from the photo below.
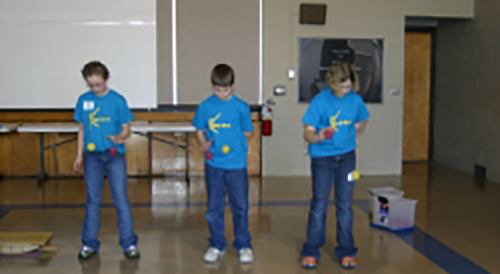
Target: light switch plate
(395, 91)
(279, 90)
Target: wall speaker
(312, 14)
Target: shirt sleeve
(199, 119)
(363, 113)
(125, 114)
(313, 114)
(78, 113)
(246, 119)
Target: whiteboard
(45, 44)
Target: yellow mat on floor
(23, 242)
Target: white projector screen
(45, 43)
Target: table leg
(260, 190)
(188, 181)
(150, 154)
(42, 175)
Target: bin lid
(389, 196)
(386, 190)
(405, 200)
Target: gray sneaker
(86, 253)
(132, 253)
(246, 256)
(213, 255)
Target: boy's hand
(77, 166)
(117, 139)
(206, 146)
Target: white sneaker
(246, 256)
(213, 255)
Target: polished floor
(458, 220)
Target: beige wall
(208, 32)
(164, 49)
(380, 147)
(438, 8)
(466, 94)
(217, 31)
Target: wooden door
(418, 59)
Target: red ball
(328, 135)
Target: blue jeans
(235, 182)
(326, 172)
(95, 166)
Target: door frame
(432, 31)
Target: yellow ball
(356, 175)
(91, 147)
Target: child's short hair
(95, 68)
(340, 72)
(222, 75)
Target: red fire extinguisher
(267, 119)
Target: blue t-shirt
(224, 122)
(327, 110)
(102, 116)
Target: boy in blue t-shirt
(224, 123)
(331, 124)
(104, 119)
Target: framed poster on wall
(318, 54)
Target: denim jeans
(96, 165)
(235, 182)
(327, 172)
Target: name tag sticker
(88, 105)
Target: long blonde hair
(340, 72)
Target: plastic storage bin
(393, 215)
(388, 192)
(389, 210)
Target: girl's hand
(77, 166)
(326, 133)
(321, 134)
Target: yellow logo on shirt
(96, 121)
(335, 123)
(213, 125)
(226, 149)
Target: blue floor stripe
(4, 210)
(449, 260)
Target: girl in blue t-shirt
(331, 123)
(104, 125)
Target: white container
(388, 192)
(395, 215)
